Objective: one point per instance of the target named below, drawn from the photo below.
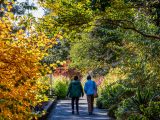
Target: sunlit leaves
(20, 69)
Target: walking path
(63, 111)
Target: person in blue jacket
(89, 88)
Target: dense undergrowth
(132, 92)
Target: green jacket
(75, 89)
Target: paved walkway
(63, 112)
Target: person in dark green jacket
(75, 91)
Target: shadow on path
(63, 111)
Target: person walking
(90, 88)
(75, 91)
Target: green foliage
(112, 110)
(58, 52)
(43, 88)
(138, 107)
(60, 87)
(125, 102)
(152, 111)
(141, 98)
(116, 38)
(123, 111)
(113, 95)
(137, 117)
(99, 48)
(127, 112)
(99, 103)
(98, 29)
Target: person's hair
(88, 77)
(75, 77)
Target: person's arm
(95, 86)
(85, 88)
(82, 90)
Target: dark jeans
(77, 101)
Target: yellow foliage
(20, 70)
(114, 75)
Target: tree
(58, 52)
(100, 49)
(20, 69)
(77, 15)
(125, 17)
(15, 7)
(123, 32)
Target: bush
(152, 111)
(112, 110)
(60, 87)
(113, 95)
(123, 110)
(99, 103)
(139, 107)
(131, 101)
(43, 88)
(137, 116)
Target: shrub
(112, 110)
(137, 116)
(139, 107)
(114, 94)
(152, 111)
(141, 98)
(60, 87)
(43, 88)
(123, 110)
(99, 103)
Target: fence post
(51, 84)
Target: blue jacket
(90, 87)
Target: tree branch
(143, 34)
(125, 24)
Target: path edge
(51, 105)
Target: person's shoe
(93, 113)
(90, 113)
(72, 112)
(77, 113)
